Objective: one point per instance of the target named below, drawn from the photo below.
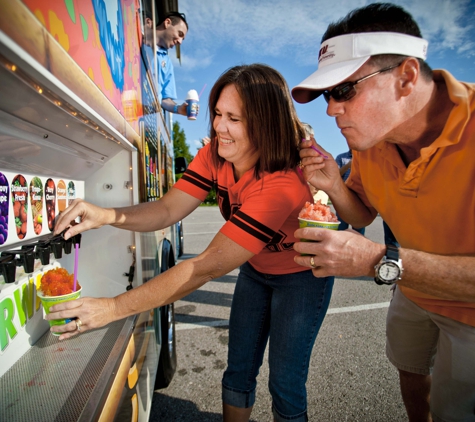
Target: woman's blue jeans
(287, 310)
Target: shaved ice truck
(80, 118)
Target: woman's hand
(322, 173)
(92, 217)
(88, 313)
(343, 253)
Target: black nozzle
(26, 258)
(67, 245)
(43, 252)
(8, 268)
(56, 245)
(77, 240)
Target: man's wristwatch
(389, 269)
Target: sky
(286, 35)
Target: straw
(320, 152)
(202, 89)
(76, 256)
(316, 149)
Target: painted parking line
(191, 234)
(225, 322)
(358, 308)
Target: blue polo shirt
(166, 75)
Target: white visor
(341, 56)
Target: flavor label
(61, 195)
(71, 192)
(4, 203)
(36, 202)
(50, 199)
(19, 190)
(28, 203)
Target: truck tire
(167, 361)
(181, 239)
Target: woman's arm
(144, 217)
(220, 257)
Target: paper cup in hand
(320, 224)
(49, 301)
(192, 108)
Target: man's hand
(320, 172)
(343, 253)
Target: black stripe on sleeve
(200, 177)
(258, 225)
(250, 230)
(205, 187)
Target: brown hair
(273, 127)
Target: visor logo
(322, 51)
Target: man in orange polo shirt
(412, 132)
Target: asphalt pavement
(350, 378)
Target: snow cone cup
(320, 224)
(49, 301)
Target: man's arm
(169, 105)
(324, 174)
(348, 254)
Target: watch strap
(392, 252)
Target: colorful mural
(102, 38)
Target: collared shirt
(430, 204)
(166, 75)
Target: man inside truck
(171, 30)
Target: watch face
(388, 271)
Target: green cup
(49, 301)
(320, 224)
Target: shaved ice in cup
(317, 215)
(57, 286)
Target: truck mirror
(180, 165)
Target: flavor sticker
(4, 193)
(50, 199)
(20, 204)
(71, 192)
(36, 202)
(61, 195)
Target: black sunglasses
(346, 91)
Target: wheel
(181, 239)
(167, 362)
(165, 329)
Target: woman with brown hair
(253, 161)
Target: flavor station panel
(29, 204)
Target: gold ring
(78, 324)
(312, 263)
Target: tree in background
(181, 149)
